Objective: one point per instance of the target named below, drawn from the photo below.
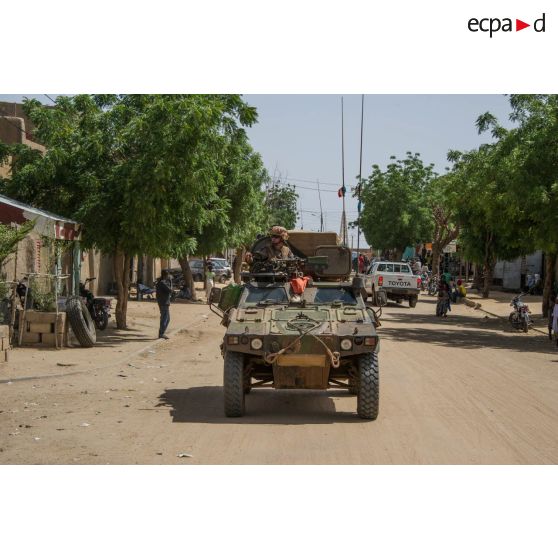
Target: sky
(299, 138)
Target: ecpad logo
(493, 25)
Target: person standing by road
(209, 280)
(361, 263)
(163, 292)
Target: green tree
(395, 211)
(281, 200)
(491, 228)
(244, 213)
(141, 172)
(444, 216)
(532, 191)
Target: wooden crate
(39, 328)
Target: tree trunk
(240, 252)
(488, 270)
(436, 253)
(488, 265)
(121, 264)
(188, 279)
(549, 275)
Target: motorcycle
(520, 318)
(424, 280)
(99, 308)
(433, 285)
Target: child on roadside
(209, 280)
(461, 290)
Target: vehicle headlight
(256, 344)
(346, 344)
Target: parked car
(196, 267)
(221, 267)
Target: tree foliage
(395, 211)
(10, 238)
(280, 201)
(145, 174)
(531, 173)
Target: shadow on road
(112, 337)
(204, 404)
(464, 332)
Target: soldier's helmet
(279, 231)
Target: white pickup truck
(395, 279)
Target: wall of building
(512, 274)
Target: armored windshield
(327, 296)
(269, 295)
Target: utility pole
(343, 189)
(321, 210)
(360, 175)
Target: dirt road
(459, 390)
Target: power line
(287, 178)
(49, 97)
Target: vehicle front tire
(368, 397)
(233, 384)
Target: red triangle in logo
(519, 25)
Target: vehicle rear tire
(198, 278)
(368, 398)
(413, 301)
(233, 384)
(81, 321)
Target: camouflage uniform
(279, 251)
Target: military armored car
(299, 323)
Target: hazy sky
(299, 138)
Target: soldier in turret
(276, 247)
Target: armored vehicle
(299, 324)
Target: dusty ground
(460, 390)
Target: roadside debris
(184, 455)
(85, 424)
(66, 364)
